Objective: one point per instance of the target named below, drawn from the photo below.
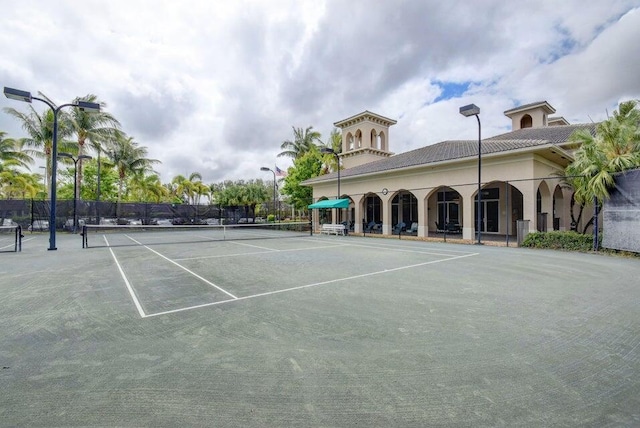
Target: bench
(333, 229)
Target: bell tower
(365, 138)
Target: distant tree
(129, 158)
(241, 194)
(108, 181)
(15, 184)
(93, 128)
(39, 128)
(147, 188)
(189, 189)
(11, 152)
(334, 143)
(303, 141)
(304, 168)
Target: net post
(311, 226)
(18, 246)
(84, 236)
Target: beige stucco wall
(538, 117)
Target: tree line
(115, 167)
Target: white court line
(267, 251)
(402, 249)
(383, 244)
(206, 281)
(269, 293)
(8, 246)
(126, 281)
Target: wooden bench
(332, 229)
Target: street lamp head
(65, 155)
(327, 150)
(264, 168)
(16, 94)
(470, 110)
(88, 107)
(84, 157)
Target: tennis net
(11, 238)
(131, 235)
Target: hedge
(571, 241)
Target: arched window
(358, 138)
(526, 121)
(374, 139)
(382, 141)
(350, 141)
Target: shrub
(556, 240)
(271, 218)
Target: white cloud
(215, 87)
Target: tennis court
(316, 331)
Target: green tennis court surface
(317, 331)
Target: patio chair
(370, 227)
(454, 228)
(440, 227)
(399, 227)
(413, 229)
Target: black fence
(34, 214)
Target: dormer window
(526, 121)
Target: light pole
(25, 96)
(75, 185)
(327, 150)
(466, 111)
(264, 168)
(98, 188)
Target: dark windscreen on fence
(621, 215)
(30, 212)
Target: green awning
(330, 203)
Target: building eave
(365, 116)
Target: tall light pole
(264, 168)
(98, 188)
(466, 111)
(25, 96)
(75, 185)
(330, 151)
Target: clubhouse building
(433, 189)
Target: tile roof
(544, 104)
(553, 134)
(460, 149)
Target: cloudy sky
(216, 86)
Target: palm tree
(129, 158)
(303, 142)
(14, 184)
(91, 127)
(614, 148)
(11, 153)
(189, 189)
(330, 162)
(148, 188)
(39, 128)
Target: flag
(280, 173)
